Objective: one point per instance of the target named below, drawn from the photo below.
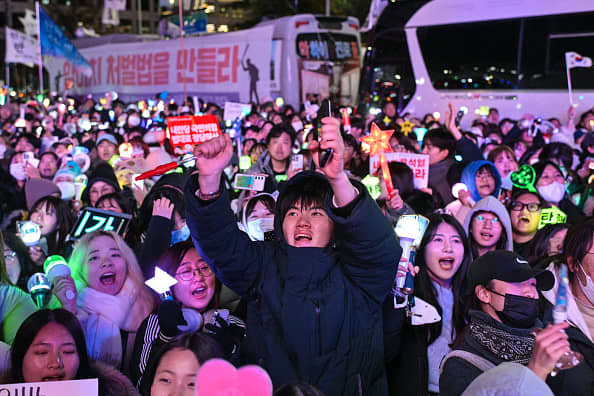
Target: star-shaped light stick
(161, 283)
(406, 127)
(379, 143)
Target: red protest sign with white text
(191, 129)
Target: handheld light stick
(161, 283)
(29, 232)
(55, 266)
(159, 170)
(456, 188)
(379, 143)
(410, 230)
(40, 288)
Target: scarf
(106, 316)
(508, 344)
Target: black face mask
(518, 311)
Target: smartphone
(296, 162)
(29, 157)
(324, 111)
(249, 182)
(459, 116)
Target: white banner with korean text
(233, 67)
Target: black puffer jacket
(313, 314)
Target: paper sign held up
(191, 130)
(88, 387)
(419, 163)
(234, 110)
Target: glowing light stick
(161, 169)
(55, 266)
(126, 150)
(29, 232)
(524, 178)
(406, 127)
(379, 143)
(161, 283)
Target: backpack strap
(477, 361)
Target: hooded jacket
(492, 204)
(468, 178)
(314, 314)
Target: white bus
(315, 55)
(506, 54)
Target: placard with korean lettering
(191, 130)
(87, 387)
(419, 163)
(220, 67)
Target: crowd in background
(297, 277)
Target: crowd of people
(297, 276)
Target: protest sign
(191, 129)
(92, 219)
(119, 5)
(234, 111)
(87, 387)
(551, 216)
(419, 163)
(214, 67)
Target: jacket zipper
(319, 328)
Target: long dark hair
(424, 287)
(577, 243)
(64, 222)
(33, 325)
(501, 243)
(171, 259)
(541, 241)
(202, 345)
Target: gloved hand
(228, 335)
(170, 316)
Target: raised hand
(63, 285)
(212, 158)
(549, 345)
(163, 207)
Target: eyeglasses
(188, 274)
(519, 206)
(483, 174)
(483, 219)
(9, 255)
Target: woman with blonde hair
(112, 300)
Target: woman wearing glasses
(488, 227)
(195, 307)
(524, 209)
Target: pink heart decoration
(217, 377)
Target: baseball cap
(507, 266)
(110, 138)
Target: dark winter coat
(313, 314)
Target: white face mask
(588, 288)
(67, 190)
(18, 171)
(258, 227)
(297, 126)
(554, 192)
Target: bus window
(546, 39)
(327, 46)
(387, 72)
(479, 55)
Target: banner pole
(569, 82)
(40, 56)
(181, 41)
(7, 74)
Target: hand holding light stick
(379, 143)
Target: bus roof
(444, 12)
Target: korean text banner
(54, 43)
(221, 67)
(418, 163)
(20, 48)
